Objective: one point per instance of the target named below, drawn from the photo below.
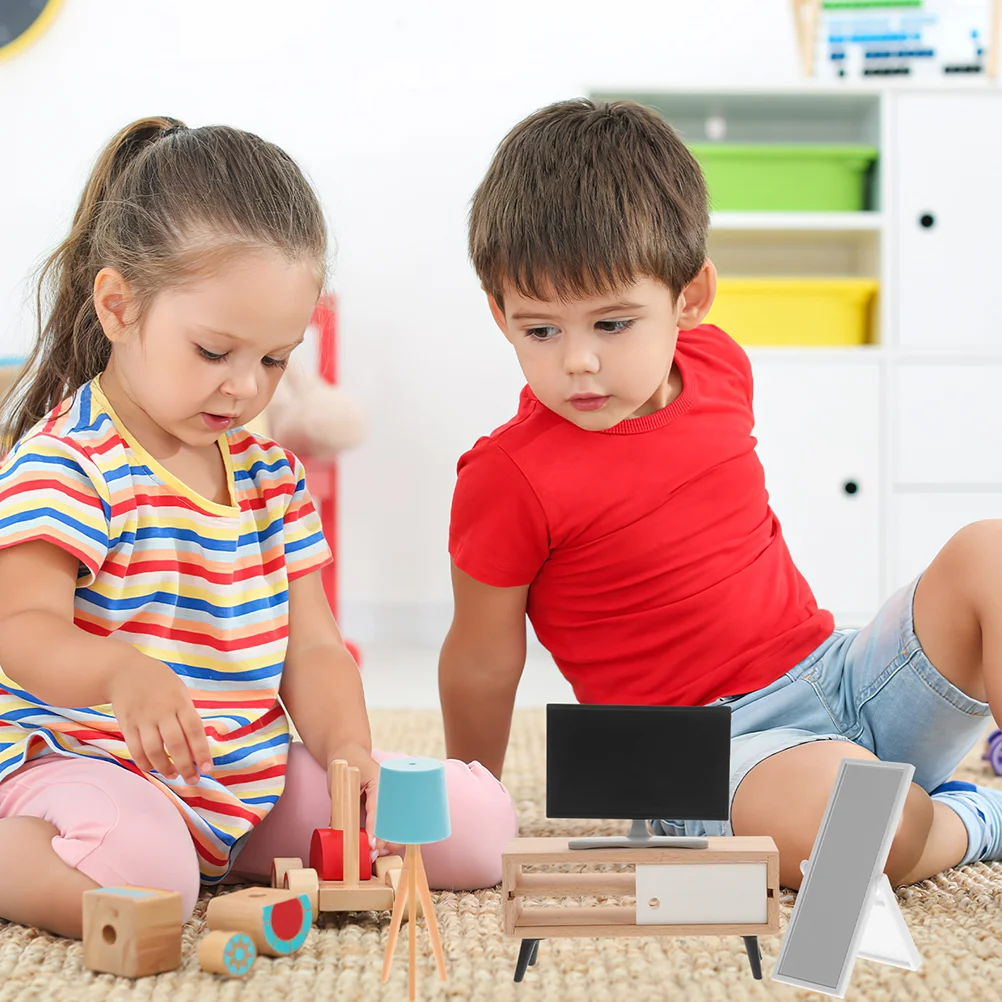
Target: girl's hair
(164, 204)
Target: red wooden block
(327, 854)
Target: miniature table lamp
(412, 809)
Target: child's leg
(482, 815)
(907, 688)
(70, 824)
(785, 796)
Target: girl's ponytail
(71, 347)
(161, 201)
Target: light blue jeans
(874, 687)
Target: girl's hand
(368, 777)
(159, 722)
(368, 770)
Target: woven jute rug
(955, 920)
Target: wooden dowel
(338, 775)
(398, 913)
(429, 915)
(351, 809)
(412, 918)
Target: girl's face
(210, 354)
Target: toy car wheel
(305, 881)
(280, 866)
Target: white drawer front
(921, 525)
(948, 424)
(701, 893)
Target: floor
(397, 677)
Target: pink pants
(119, 829)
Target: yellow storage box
(811, 312)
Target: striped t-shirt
(199, 585)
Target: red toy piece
(327, 854)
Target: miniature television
(638, 763)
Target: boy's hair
(583, 197)
(164, 204)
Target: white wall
(394, 109)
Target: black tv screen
(638, 762)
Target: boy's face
(599, 360)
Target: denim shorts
(874, 687)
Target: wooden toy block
(281, 865)
(304, 882)
(277, 920)
(229, 953)
(132, 931)
(384, 864)
(336, 898)
(327, 854)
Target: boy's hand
(159, 722)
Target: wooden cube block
(132, 931)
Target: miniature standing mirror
(846, 908)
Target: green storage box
(773, 178)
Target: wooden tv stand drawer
(729, 888)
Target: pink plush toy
(313, 418)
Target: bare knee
(785, 797)
(911, 835)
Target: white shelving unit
(876, 455)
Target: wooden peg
(338, 778)
(229, 953)
(276, 920)
(352, 794)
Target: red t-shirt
(657, 571)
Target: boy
(625, 511)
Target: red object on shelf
(322, 475)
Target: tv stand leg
(526, 957)
(754, 956)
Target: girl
(159, 564)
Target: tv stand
(731, 888)
(638, 837)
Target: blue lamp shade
(412, 805)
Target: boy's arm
(479, 669)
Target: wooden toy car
(340, 877)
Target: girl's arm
(479, 669)
(40, 647)
(45, 653)
(322, 687)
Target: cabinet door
(922, 523)
(948, 211)
(818, 426)
(947, 420)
